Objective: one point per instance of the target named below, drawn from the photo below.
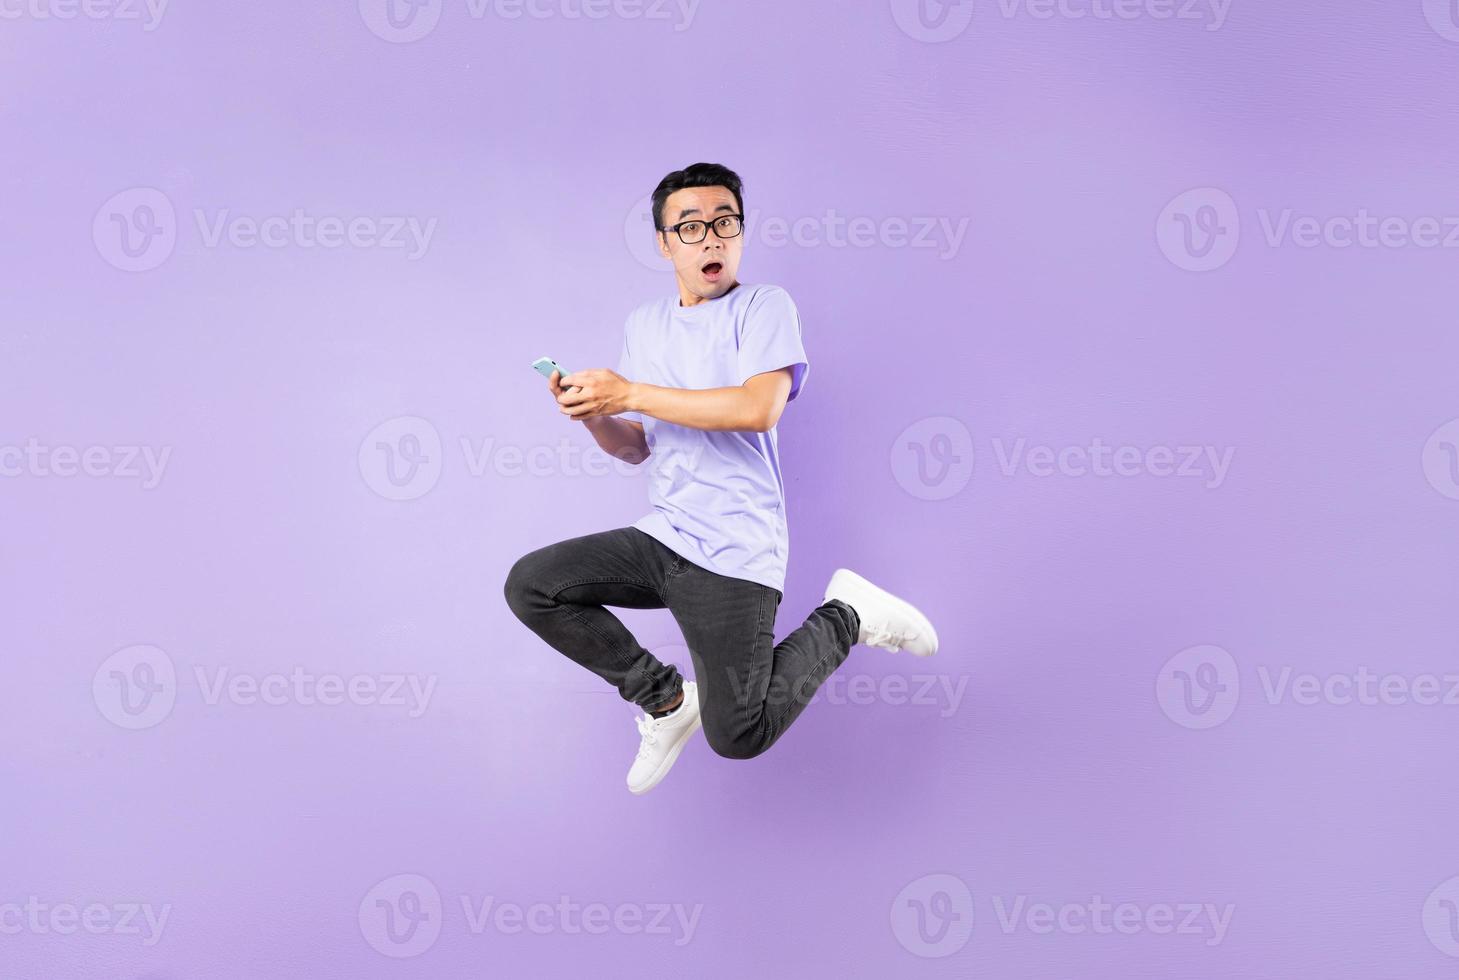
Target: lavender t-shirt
(718, 497)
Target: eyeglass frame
(708, 227)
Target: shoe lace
(648, 730)
(887, 639)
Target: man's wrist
(634, 401)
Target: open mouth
(712, 270)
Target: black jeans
(750, 688)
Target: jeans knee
(520, 588)
(745, 745)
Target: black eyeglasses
(694, 232)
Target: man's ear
(664, 246)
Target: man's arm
(754, 406)
(618, 438)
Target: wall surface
(1132, 345)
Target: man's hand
(599, 392)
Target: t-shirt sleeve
(771, 339)
(629, 371)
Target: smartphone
(546, 365)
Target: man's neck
(688, 299)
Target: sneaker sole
(923, 623)
(669, 760)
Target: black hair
(696, 175)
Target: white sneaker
(886, 621)
(663, 739)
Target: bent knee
(521, 586)
(745, 745)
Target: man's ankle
(666, 709)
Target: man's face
(708, 268)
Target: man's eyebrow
(688, 211)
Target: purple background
(1059, 774)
